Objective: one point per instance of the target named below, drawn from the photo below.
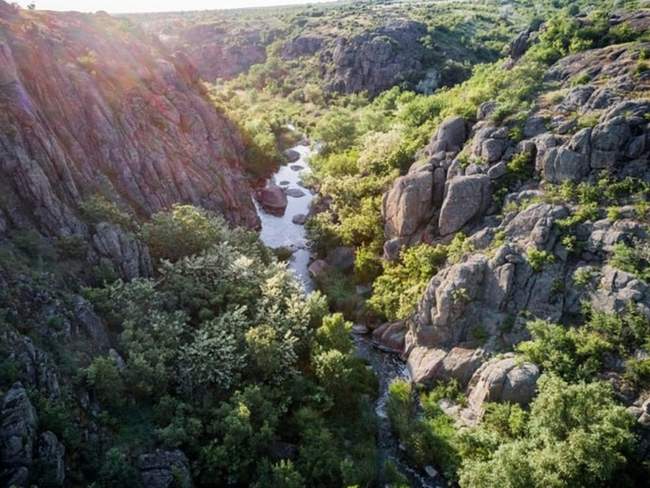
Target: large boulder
(561, 164)
(18, 428)
(430, 364)
(407, 206)
(273, 199)
(165, 469)
(390, 336)
(468, 197)
(503, 380)
(450, 136)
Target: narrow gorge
(345, 244)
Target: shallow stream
(281, 231)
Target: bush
(104, 377)
(537, 259)
(398, 289)
(98, 209)
(576, 436)
(183, 231)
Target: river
(281, 231)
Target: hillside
(478, 239)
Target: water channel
(282, 231)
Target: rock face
(50, 453)
(376, 60)
(165, 469)
(115, 115)
(300, 46)
(215, 50)
(479, 304)
(18, 427)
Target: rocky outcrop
(467, 197)
(18, 428)
(130, 256)
(217, 49)
(520, 262)
(300, 46)
(427, 365)
(116, 115)
(377, 60)
(502, 380)
(412, 206)
(51, 454)
(165, 469)
(272, 198)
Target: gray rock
(51, 460)
(318, 268)
(165, 469)
(295, 193)
(18, 427)
(129, 256)
(299, 219)
(341, 257)
(378, 59)
(468, 197)
(561, 164)
(390, 336)
(498, 170)
(492, 149)
(407, 206)
(429, 364)
(301, 46)
(292, 155)
(450, 137)
(273, 199)
(503, 380)
(296, 167)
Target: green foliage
(104, 377)
(183, 231)
(397, 290)
(573, 353)
(117, 471)
(632, 259)
(430, 439)
(576, 436)
(222, 351)
(537, 259)
(98, 208)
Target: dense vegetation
(220, 353)
(575, 432)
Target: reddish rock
(273, 199)
(89, 107)
(390, 336)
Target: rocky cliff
(89, 105)
(531, 241)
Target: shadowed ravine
(280, 231)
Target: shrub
(537, 259)
(573, 354)
(183, 231)
(98, 209)
(106, 381)
(398, 289)
(576, 436)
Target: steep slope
(90, 105)
(554, 210)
